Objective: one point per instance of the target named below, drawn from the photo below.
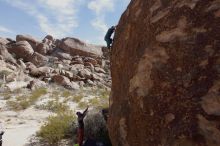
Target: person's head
(78, 113)
(113, 27)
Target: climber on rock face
(108, 35)
(81, 117)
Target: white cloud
(55, 17)
(99, 24)
(5, 30)
(100, 6)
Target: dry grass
(23, 102)
(66, 93)
(4, 73)
(77, 98)
(82, 105)
(54, 106)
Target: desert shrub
(55, 93)
(57, 128)
(18, 104)
(98, 102)
(4, 73)
(54, 106)
(6, 97)
(23, 102)
(82, 105)
(104, 93)
(77, 98)
(66, 93)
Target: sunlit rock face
(166, 74)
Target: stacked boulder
(68, 62)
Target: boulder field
(69, 62)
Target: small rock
(60, 66)
(85, 73)
(81, 83)
(91, 60)
(34, 84)
(75, 86)
(49, 37)
(99, 70)
(62, 56)
(16, 85)
(61, 80)
(91, 83)
(69, 74)
(89, 66)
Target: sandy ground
(20, 126)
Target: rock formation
(6, 55)
(3, 41)
(166, 74)
(31, 40)
(69, 62)
(77, 47)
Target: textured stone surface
(6, 55)
(77, 47)
(3, 41)
(166, 74)
(38, 59)
(43, 48)
(31, 40)
(21, 49)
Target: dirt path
(20, 126)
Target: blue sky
(87, 20)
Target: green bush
(57, 128)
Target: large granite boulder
(64, 81)
(6, 55)
(21, 49)
(3, 41)
(31, 40)
(166, 74)
(38, 59)
(63, 56)
(43, 48)
(49, 37)
(78, 47)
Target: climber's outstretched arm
(85, 112)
